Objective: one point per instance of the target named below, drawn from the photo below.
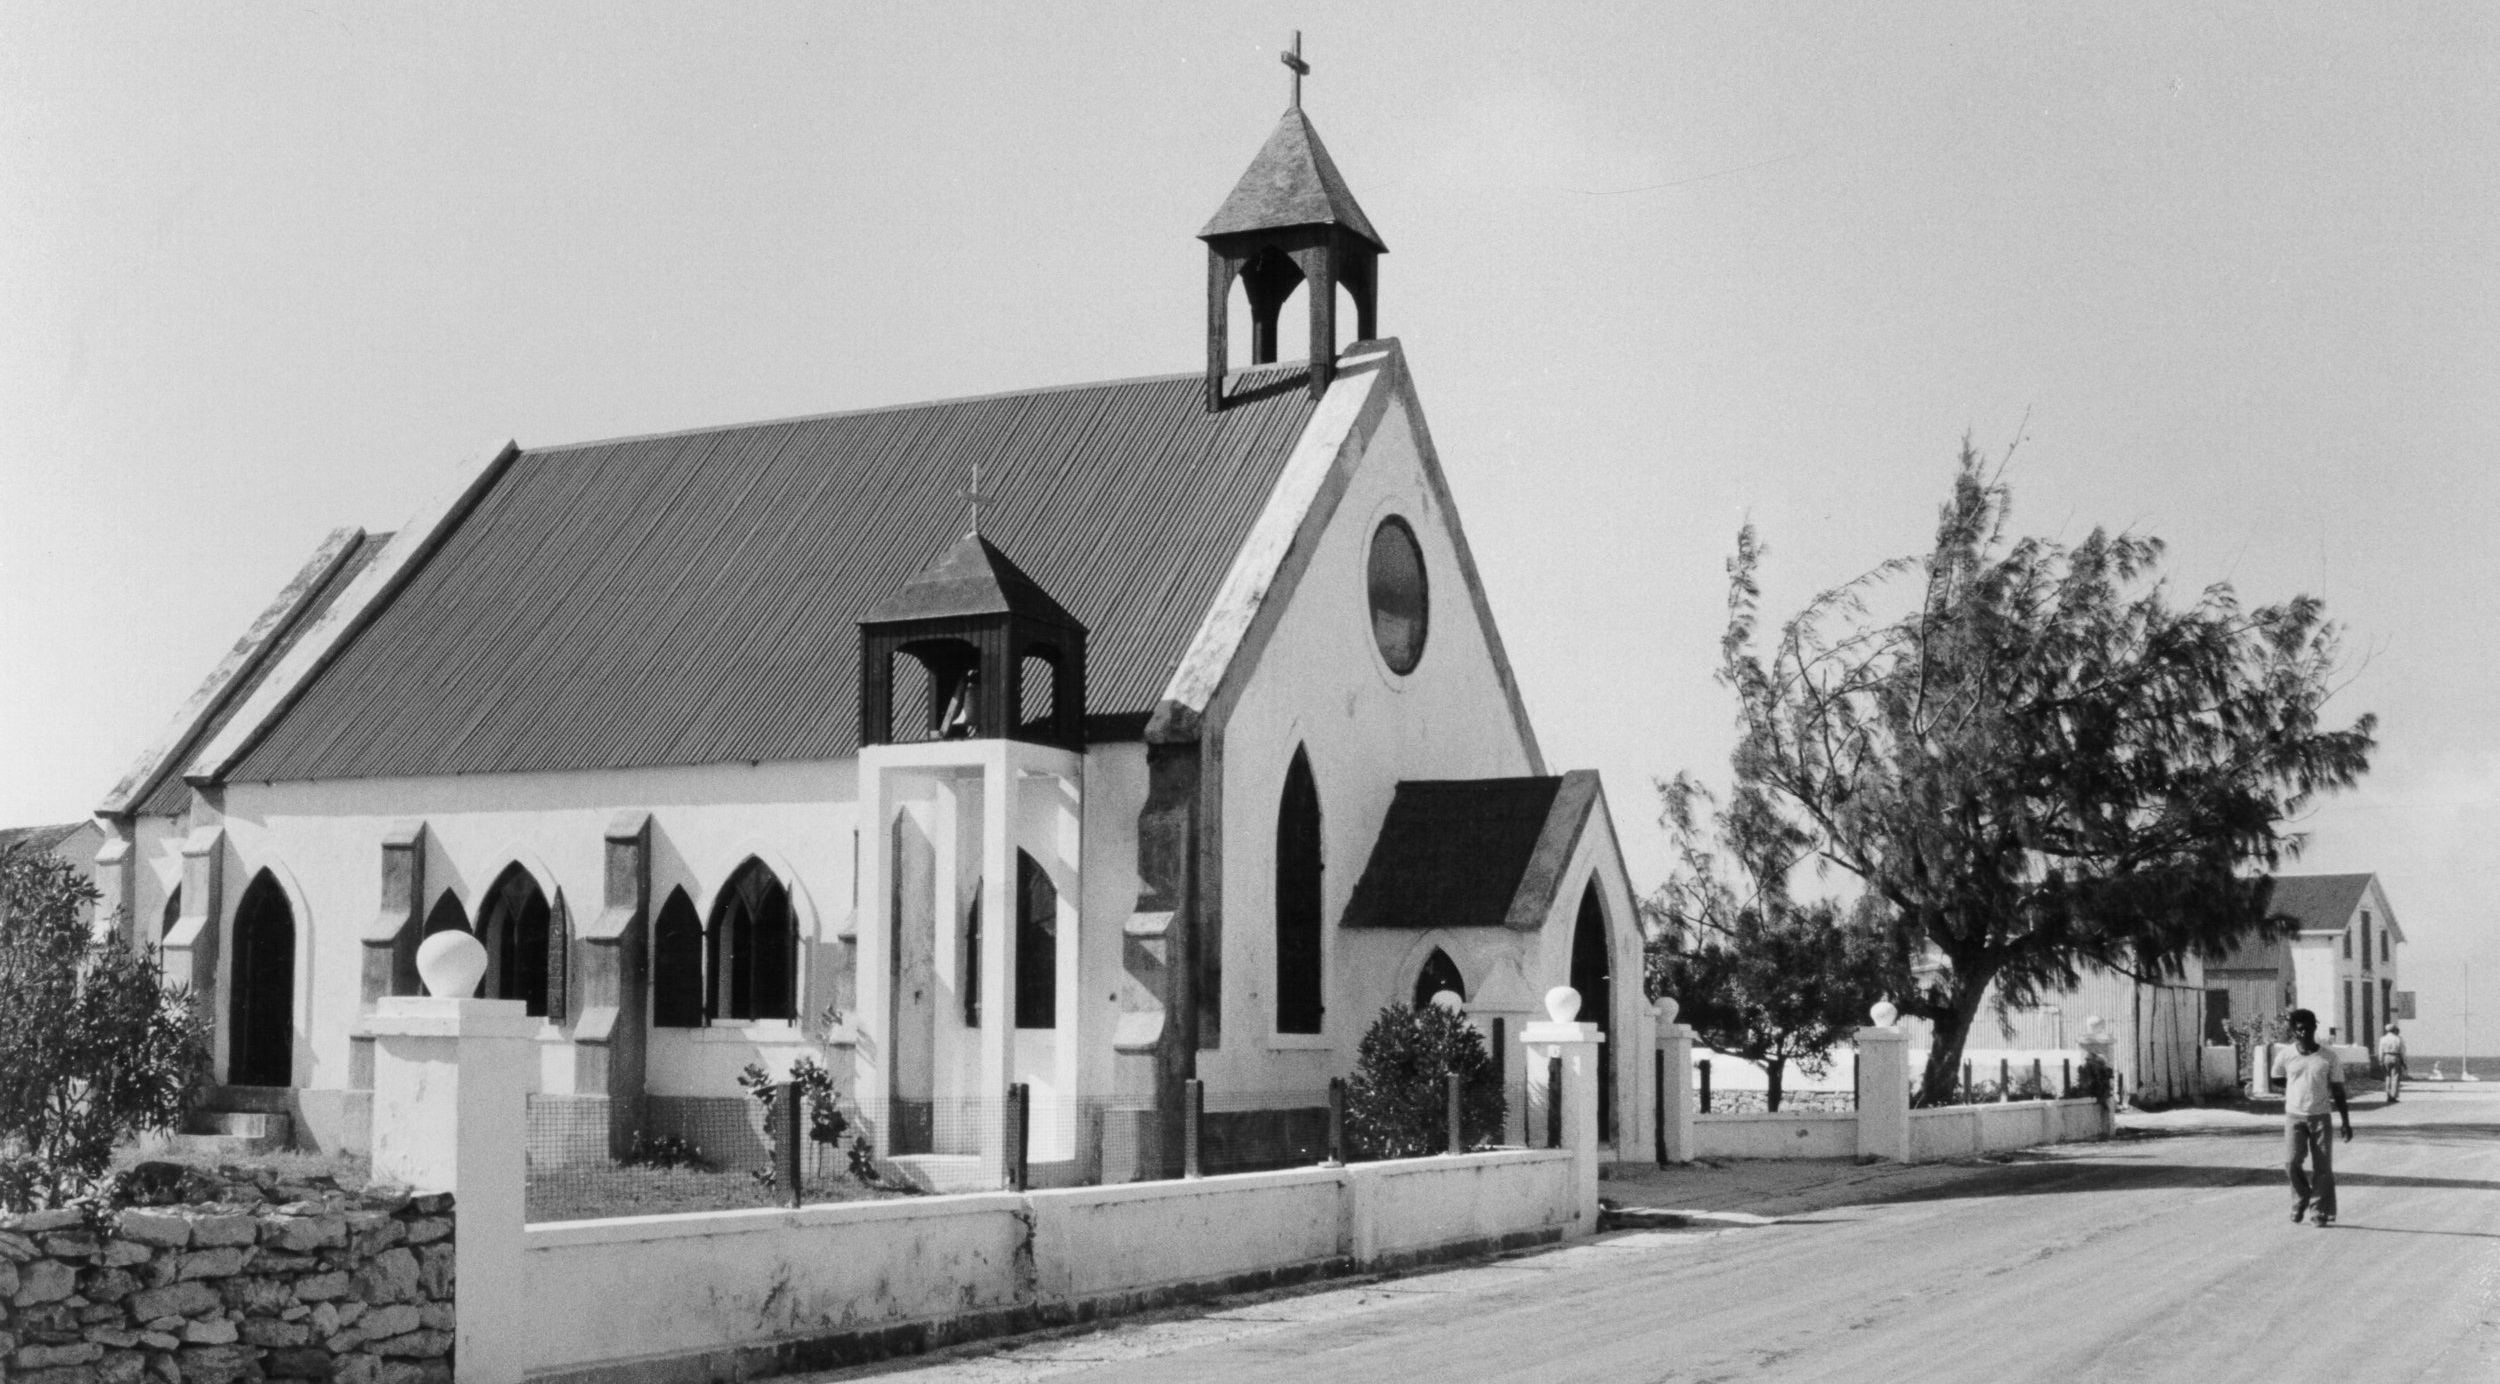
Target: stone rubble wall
(249, 1277)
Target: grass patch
(580, 1194)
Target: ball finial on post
(1665, 1008)
(1562, 1004)
(451, 963)
(1448, 1000)
(1883, 1013)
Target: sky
(2227, 274)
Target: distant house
(2158, 1031)
(2341, 965)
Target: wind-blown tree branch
(93, 1048)
(1757, 972)
(2040, 764)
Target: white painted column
(872, 1003)
(1675, 1054)
(1884, 1089)
(998, 958)
(1581, 1048)
(450, 1114)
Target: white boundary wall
(619, 1299)
(1953, 1131)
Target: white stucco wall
(614, 1291)
(1320, 684)
(323, 842)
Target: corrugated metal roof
(38, 839)
(1452, 852)
(2315, 903)
(692, 598)
(167, 795)
(2319, 903)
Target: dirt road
(2164, 1257)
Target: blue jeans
(2311, 1139)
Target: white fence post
(1578, 1046)
(450, 1114)
(1675, 1057)
(1884, 1089)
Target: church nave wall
(327, 838)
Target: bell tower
(1290, 221)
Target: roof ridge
(1193, 377)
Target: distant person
(2391, 1060)
(2313, 1079)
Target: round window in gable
(1401, 598)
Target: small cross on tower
(974, 495)
(1293, 59)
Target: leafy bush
(826, 1124)
(1397, 1103)
(94, 1048)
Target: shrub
(94, 1048)
(826, 1124)
(1396, 1104)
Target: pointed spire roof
(1292, 182)
(970, 578)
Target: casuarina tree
(93, 1048)
(2035, 761)
(1757, 972)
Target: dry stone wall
(243, 1277)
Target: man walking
(2313, 1079)
(2391, 1060)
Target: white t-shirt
(2308, 1079)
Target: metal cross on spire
(1293, 59)
(974, 495)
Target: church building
(1096, 739)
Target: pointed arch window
(1439, 973)
(677, 965)
(447, 912)
(517, 925)
(173, 913)
(1299, 877)
(755, 941)
(1037, 945)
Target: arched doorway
(261, 1005)
(1592, 974)
(1299, 866)
(513, 923)
(1439, 973)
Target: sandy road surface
(2169, 1257)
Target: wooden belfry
(1290, 222)
(1004, 660)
